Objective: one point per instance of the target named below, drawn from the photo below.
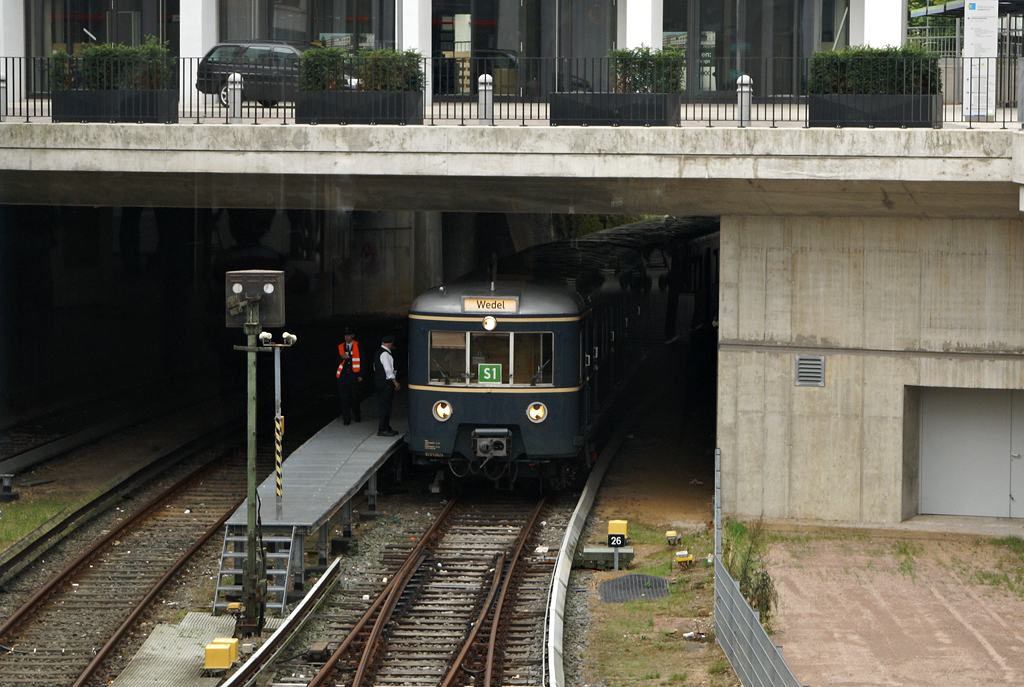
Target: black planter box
(894, 111)
(149, 107)
(359, 107)
(614, 109)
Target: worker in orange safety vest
(349, 377)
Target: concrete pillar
(485, 94)
(200, 31)
(878, 23)
(12, 29)
(371, 493)
(644, 23)
(414, 34)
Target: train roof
(565, 277)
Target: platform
(172, 656)
(327, 471)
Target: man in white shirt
(387, 385)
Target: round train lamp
(490, 323)
(442, 411)
(537, 412)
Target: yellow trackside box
(218, 657)
(617, 527)
(232, 642)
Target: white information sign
(981, 45)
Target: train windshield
(491, 358)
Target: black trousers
(385, 396)
(348, 388)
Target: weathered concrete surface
(887, 172)
(892, 304)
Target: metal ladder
(279, 543)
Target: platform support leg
(371, 493)
(346, 520)
(323, 544)
(298, 563)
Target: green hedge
(109, 66)
(643, 70)
(324, 69)
(910, 70)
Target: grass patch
(20, 518)
(905, 552)
(745, 556)
(719, 668)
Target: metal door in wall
(967, 438)
(1017, 454)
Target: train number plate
(489, 373)
(489, 304)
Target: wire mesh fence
(754, 657)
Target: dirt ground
(897, 608)
(857, 606)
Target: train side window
(533, 358)
(447, 357)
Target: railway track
(62, 633)
(462, 604)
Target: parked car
(269, 70)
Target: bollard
(3, 93)
(744, 91)
(6, 494)
(485, 107)
(235, 98)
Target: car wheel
(223, 95)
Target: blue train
(509, 372)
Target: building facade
(717, 35)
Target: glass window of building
(349, 24)
(770, 40)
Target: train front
(494, 380)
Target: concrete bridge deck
(790, 170)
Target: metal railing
(754, 657)
(523, 91)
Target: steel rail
(500, 576)
(269, 650)
(495, 623)
(414, 560)
(147, 509)
(141, 606)
(48, 535)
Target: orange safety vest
(355, 357)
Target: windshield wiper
(444, 373)
(533, 379)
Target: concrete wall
(891, 304)
(385, 260)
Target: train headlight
(537, 412)
(490, 323)
(442, 411)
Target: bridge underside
(825, 198)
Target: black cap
(348, 330)
(388, 339)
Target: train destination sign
(489, 304)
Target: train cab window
(532, 352)
(486, 351)
(447, 357)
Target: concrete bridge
(892, 261)
(687, 170)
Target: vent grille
(810, 370)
